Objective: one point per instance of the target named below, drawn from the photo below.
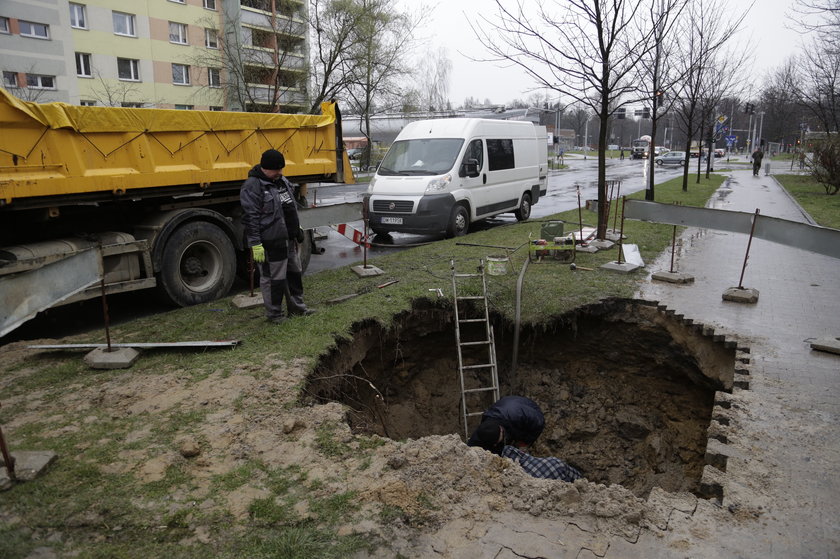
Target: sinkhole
(627, 389)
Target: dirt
(627, 395)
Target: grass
(811, 196)
(117, 515)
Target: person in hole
(513, 420)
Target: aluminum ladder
(486, 377)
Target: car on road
(720, 152)
(671, 158)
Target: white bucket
(497, 265)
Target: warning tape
(353, 234)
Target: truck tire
(459, 221)
(198, 264)
(523, 212)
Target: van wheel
(524, 211)
(459, 222)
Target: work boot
(277, 319)
(304, 312)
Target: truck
(441, 175)
(154, 192)
(639, 148)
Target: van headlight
(436, 185)
(370, 184)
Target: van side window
(475, 151)
(500, 154)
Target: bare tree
(703, 34)
(114, 93)
(432, 79)
(817, 84)
(586, 50)
(820, 16)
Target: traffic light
(620, 113)
(749, 108)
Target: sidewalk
(785, 444)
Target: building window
(4, 25)
(124, 24)
(210, 4)
(180, 74)
(128, 69)
(127, 105)
(78, 16)
(177, 33)
(177, 1)
(83, 65)
(217, 108)
(10, 79)
(87, 103)
(214, 77)
(211, 38)
(184, 107)
(37, 81)
(34, 30)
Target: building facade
(174, 54)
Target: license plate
(392, 220)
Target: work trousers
(281, 278)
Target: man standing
(272, 231)
(512, 420)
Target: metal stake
(105, 315)
(617, 194)
(251, 270)
(747, 255)
(621, 235)
(674, 243)
(580, 214)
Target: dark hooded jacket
(269, 209)
(521, 417)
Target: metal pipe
(580, 214)
(251, 270)
(617, 194)
(673, 248)
(621, 235)
(105, 315)
(517, 316)
(747, 255)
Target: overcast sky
(447, 25)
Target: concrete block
(602, 244)
(831, 345)
(587, 248)
(366, 271)
(741, 295)
(672, 277)
(246, 301)
(29, 464)
(117, 358)
(5, 480)
(624, 267)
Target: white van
(441, 175)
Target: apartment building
(173, 54)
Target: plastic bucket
(497, 265)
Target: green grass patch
(811, 196)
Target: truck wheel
(198, 264)
(524, 211)
(459, 222)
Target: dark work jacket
(269, 210)
(521, 418)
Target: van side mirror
(469, 168)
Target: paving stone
(831, 345)
(117, 358)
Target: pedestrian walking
(757, 156)
(272, 231)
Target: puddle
(628, 390)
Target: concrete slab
(623, 267)
(672, 277)
(366, 271)
(246, 301)
(119, 358)
(746, 295)
(5, 480)
(588, 248)
(602, 244)
(831, 345)
(29, 464)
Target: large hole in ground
(627, 390)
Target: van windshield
(429, 156)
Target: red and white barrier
(353, 234)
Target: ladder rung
(475, 413)
(488, 389)
(485, 342)
(467, 275)
(468, 298)
(477, 366)
(473, 320)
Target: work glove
(299, 235)
(259, 253)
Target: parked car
(719, 152)
(671, 158)
(354, 153)
(660, 150)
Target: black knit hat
(272, 160)
(488, 433)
